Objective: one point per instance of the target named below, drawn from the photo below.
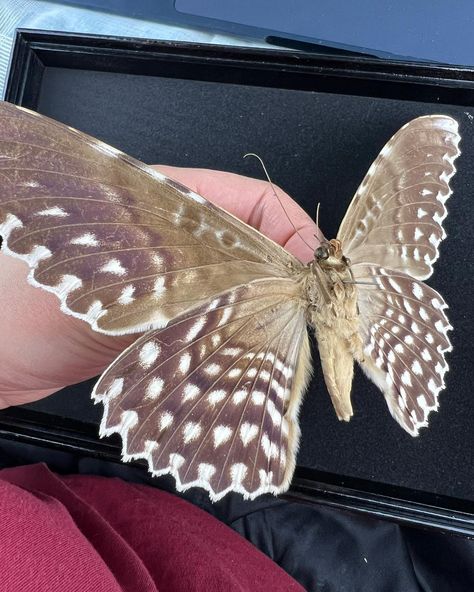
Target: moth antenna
(317, 214)
(279, 200)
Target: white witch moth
(210, 392)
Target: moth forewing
(212, 396)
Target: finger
(253, 201)
(44, 349)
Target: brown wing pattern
(122, 246)
(213, 398)
(405, 334)
(391, 234)
(396, 217)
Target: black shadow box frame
(318, 123)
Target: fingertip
(264, 206)
(303, 244)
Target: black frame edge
(438, 513)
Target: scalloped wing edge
(69, 283)
(66, 286)
(129, 418)
(379, 380)
(452, 126)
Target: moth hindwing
(210, 392)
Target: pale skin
(42, 349)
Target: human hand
(42, 349)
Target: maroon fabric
(97, 534)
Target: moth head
(329, 255)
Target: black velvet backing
(317, 146)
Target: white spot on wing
(216, 396)
(237, 473)
(395, 285)
(418, 233)
(216, 339)
(176, 461)
(115, 388)
(239, 396)
(248, 432)
(159, 287)
(154, 388)
(206, 471)
(212, 369)
(148, 354)
(190, 392)
(406, 378)
(425, 354)
(185, 362)
(422, 213)
(258, 398)
(86, 240)
(232, 351)
(269, 448)
(275, 415)
(55, 211)
(226, 314)
(266, 479)
(221, 434)
(196, 328)
(29, 183)
(114, 266)
(126, 296)
(191, 431)
(424, 314)
(166, 420)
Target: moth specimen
(210, 393)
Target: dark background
(317, 146)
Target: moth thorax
(329, 255)
(330, 288)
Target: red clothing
(98, 534)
